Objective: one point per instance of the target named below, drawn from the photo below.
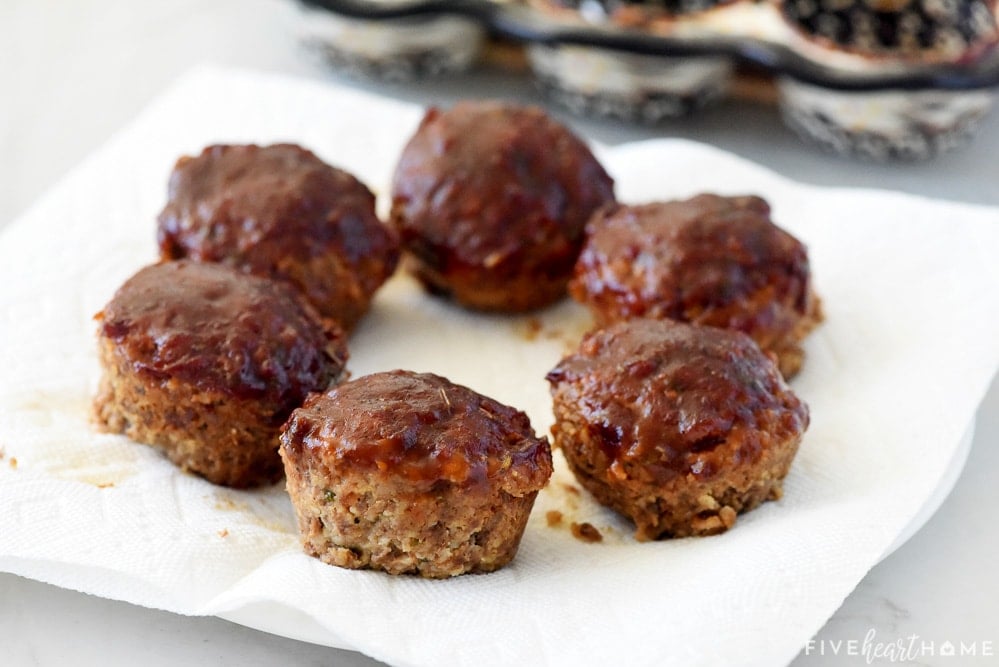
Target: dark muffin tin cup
(396, 48)
(630, 86)
(883, 124)
(918, 29)
(882, 79)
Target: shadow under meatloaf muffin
(412, 474)
(206, 363)
(280, 212)
(676, 426)
(711, 260)
(491, 201)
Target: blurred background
(73, 72)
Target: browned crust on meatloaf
(412, 474)
(491, 201)
(206, 363)
(280, 212)
(228, 442)
(349, 522)
(678, 427)
(711, 260)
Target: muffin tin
(885, 79)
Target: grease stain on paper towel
(55, 419)
(564, 323)
(95, 466)
(46, 408)
(260, 509)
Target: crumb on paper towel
(530, 328)
(586, 532)
(224, 533)
(13, 463)
(105, 485)
(553, 517)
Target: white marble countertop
(73, 72)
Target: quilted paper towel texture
(890, 394)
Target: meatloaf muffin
(206, 363)
(491, 201)
(281, 212)
(411, 474)
(676, 426)
(709, 260)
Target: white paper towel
(911, 290)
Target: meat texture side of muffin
(711, 260)
(491, 201)
(411, 474)
(676, 426)
(281, 212)
(206, 363)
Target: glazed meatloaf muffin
(281, 212)
(676, 426)
(491, 201)
(411, 474)
(709, 260)
(206, 363)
